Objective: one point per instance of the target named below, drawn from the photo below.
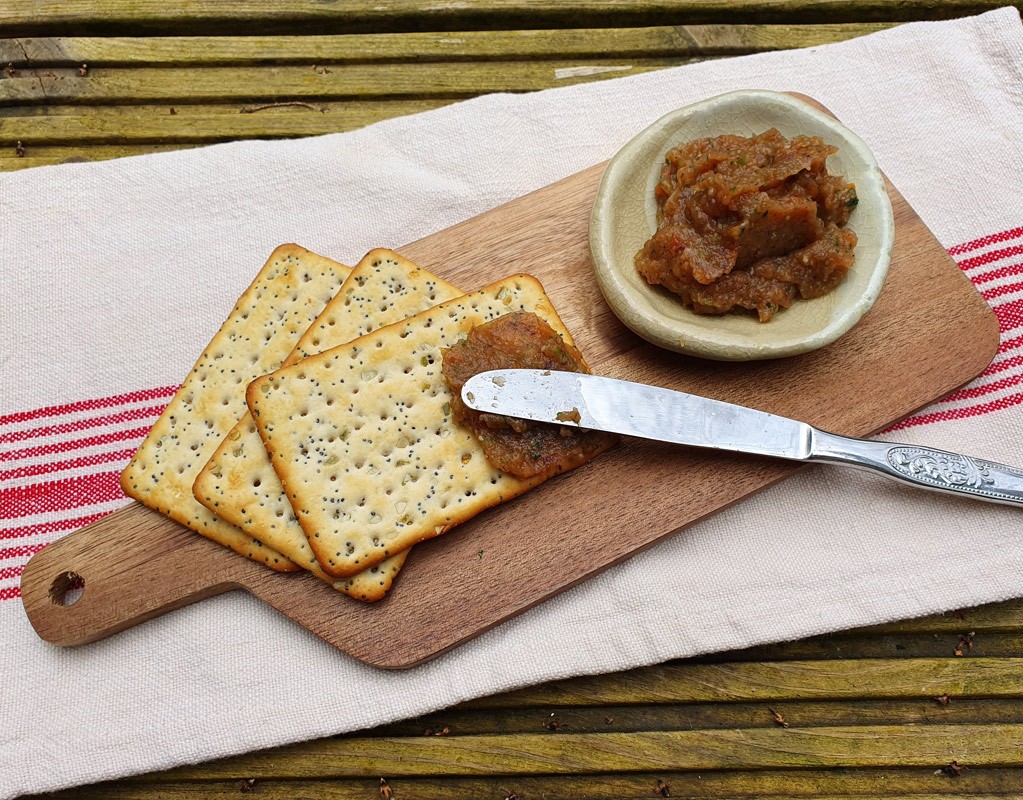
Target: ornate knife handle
(923, 467)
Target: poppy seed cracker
(363, 438)
(239, 484)
(284, 299)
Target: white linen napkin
(115, 275)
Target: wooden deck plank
(80, 17)
(685, 40)
(898, 784)
(863, 746)
(964, 641)
(1006, 616)
(112, 85)
(65, 154)
(177, 123)
(687, 682)
(463, 720)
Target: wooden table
(918, 709)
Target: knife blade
(651, 412)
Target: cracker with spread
(364, 437)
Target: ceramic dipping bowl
(625, 215)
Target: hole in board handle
(66, 589)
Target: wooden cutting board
(929, 333)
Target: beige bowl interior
(625, 213)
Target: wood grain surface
(461, 584)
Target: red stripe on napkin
(61, 495)
(128, 415)
(57, 526)
(25, 550)
(997, 274)
(1002, 365)
(1010, 315)
(1000, 291)
(76, 444)
(140, 396)
(959, 413)
(33, 470)
(1001, 265)
(56, 485)
(973, 391)
(984, 241)
(991, 257)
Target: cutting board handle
(123, 569)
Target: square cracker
(239, 484)
(363, 439)
(281, 303)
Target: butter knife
(664, 415)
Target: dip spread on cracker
(525, 449)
